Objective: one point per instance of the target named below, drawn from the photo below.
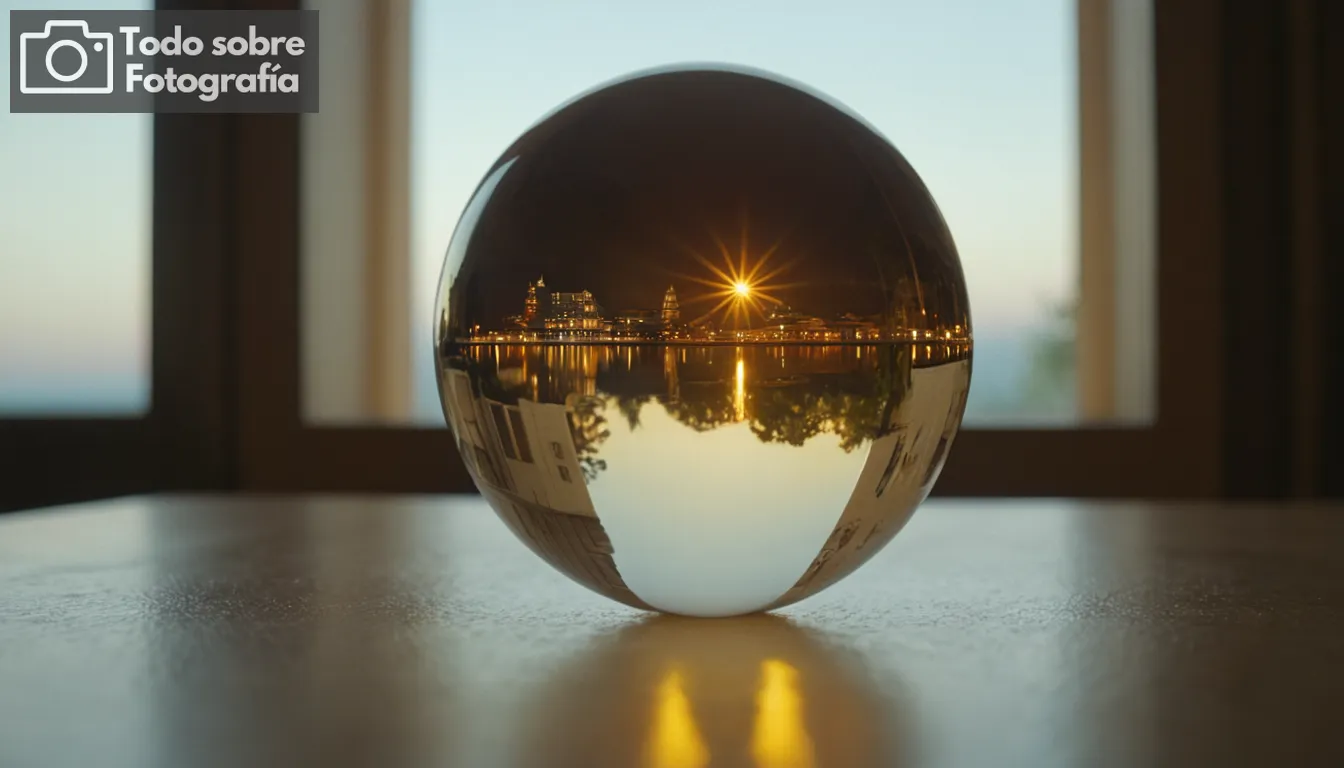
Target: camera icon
(38, 69)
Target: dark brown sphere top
(693, 178)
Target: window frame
(184, 440)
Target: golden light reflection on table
(780, 738)
(755, 691)
(675, 741)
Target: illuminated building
(575, 314)
(530, 306)
(637, 324)
(671, 309)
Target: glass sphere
(703, 340)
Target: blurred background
(981, 97)
(1135, 187)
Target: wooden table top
(390, 631)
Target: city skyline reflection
(634, 213)
(744, 311)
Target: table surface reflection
(230, 631)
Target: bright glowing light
(740, 391)
(676, 741)
(743, 285)
(779, 738)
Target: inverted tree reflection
(588, 425)
(784, 394)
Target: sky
(979, 95)
(74, 253)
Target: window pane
(74, 257)
(520, 436)
(979, 96)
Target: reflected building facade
(671, 313)
(523, 458)
(575, 316)
(901, 469)
(536, 295)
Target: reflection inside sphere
(706, 480)
(703, 340)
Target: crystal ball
(703, 340)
